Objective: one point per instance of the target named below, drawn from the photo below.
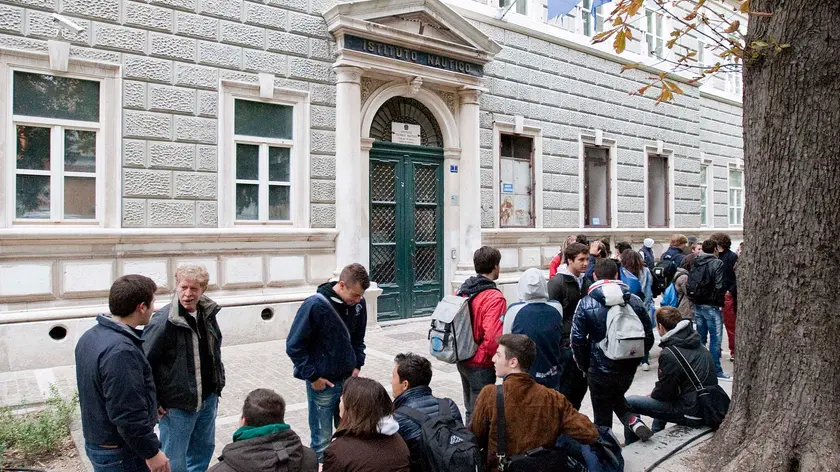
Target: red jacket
(487, 309)
(555, 264)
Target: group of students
(548, 349)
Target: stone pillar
(470, 177)
(348, 169)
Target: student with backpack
(431, 427)
(264, 442)
(677, 294)
(666, 268)
(487, 306)
(705, 288)
(533, 416)
(684, 368)
(633, 267)
(611, 333)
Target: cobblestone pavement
(265, 365)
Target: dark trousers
(607, 394)
(572, 381)
(662, 414)
(473, 379)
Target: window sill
(87, 236)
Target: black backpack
(700, 285)
(447, 444)
(663, 273)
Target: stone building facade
(276, 141)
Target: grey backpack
(451, 335)
(625, 337)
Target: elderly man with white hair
(183, 345)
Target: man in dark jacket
(674, 398)
(326, 344)
(708, 297)
(183, 344)
(487, 307)
(116, 387)
(568, 287)
(608, 379)
(410, 387)
(647, 252)
(542, 321)
(264, 442)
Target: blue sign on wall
(507, 188)
(391, 51)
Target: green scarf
(251, 432)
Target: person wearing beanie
(647, 252)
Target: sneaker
(723, 376)
(732, 358)
(640, 429)
(645, 366)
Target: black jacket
(183, 370)
(676, 255)
(564, 288)
(589, 328)
(421, 399)
(116, 388)
(674, 385)
(729, 260)
(260, 455)
(714, 272)
(647, 255)
(323, 344)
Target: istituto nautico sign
(391, 51)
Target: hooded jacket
(686, 306)
(589, 328)
(261, 454)
(673, 385)
(534, 417)
(487, 309)
(647, 253)
(542, 321)
(383, 452)
(327, 339)
(420, 398)
(184, 369)
(714, 272)
(568, 290)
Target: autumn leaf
(620, 42)
(629, 34)
(733, 27)
(690, 16)
(745, 7)
(600, 37)
(634, 65)
(673, 86)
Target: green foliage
(37, 433)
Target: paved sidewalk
(265, 365)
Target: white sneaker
(645, 366)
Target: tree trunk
(785, 414)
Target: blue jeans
(323, 415)
(661, 412)
(120, 459)
(188, 438)
(709, 320)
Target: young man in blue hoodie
(608, 379)
(326, 344)
(542, 321)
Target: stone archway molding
(401, 88)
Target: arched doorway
(406, 209)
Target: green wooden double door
(406, 228)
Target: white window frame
(299, 201)
(655, 151)
(597, 140)
(584, 12)
(708, 188)
(536, 165)
(736, 205)
(663, 35)
(107, 186)
(526, 4)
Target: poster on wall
(404, 133)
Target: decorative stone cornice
(348, 74)
(469, 96)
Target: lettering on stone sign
(409, 55)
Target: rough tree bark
(785, 414)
